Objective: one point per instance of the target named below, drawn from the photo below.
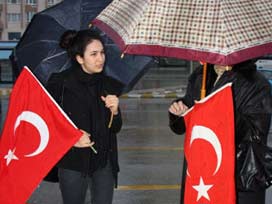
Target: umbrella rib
(56, 55)
(32, 43)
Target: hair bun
(66, 39)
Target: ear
(79, 59)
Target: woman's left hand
(111, 102)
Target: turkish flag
(36, 134)
(209, 150)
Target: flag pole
(184, 169)
(203, 85)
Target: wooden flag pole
(203, 85)
(184, 169)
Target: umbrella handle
(111, 119)
(203, 85)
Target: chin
(99, 71)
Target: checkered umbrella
(222, 32)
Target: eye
(93, 53)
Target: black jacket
(78, 93)
(251, 96)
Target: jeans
(74, 185)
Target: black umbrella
(39, 50)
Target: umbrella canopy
(39, 49)
(217, 32)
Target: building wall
(16, 15)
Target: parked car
(265, 67)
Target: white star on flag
(10, 156)
(202, 189)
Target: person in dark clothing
(90, 99)
(252, 109)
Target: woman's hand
(178, 108)
(84, 140)
(111, 102)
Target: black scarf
(98, 119)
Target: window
(50, 2)
(14, 35)
(13, 17)
(13, 1)
(31, 2)
(29, 15)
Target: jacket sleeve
(253, 113)
(54, 87)
(176, 123)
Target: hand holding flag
(36, 134)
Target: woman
(90, 100)
(252, 109)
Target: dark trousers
(74, 185)
(251, 197)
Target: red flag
(209, 150)
(36, 135)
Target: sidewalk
(167, 92)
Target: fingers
(111, 102)
(84, 140)
(178, 108)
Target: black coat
(78, 93)
(251, 96)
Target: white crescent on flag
(204, 133)
(41, 126)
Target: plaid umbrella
(217, 32)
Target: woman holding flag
(252, 114)
(90, 99)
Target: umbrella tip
(122, 55)
(90, 25)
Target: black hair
(75, 42)
(246, 68)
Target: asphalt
(150, 158)
(150, 155)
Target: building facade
(15, 15)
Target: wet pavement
(150, 155)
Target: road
(150, 157)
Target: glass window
(13, 1)
(31, 2)
(29, 16)
(13, 17)
(14, 35)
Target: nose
(101, 57)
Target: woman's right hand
(84, 140)
(178, 108)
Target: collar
(86, 77)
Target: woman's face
(93, 58)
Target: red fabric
(209, 150)
(38, 138)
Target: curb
(152, 95)
(145, 95)
(5, 91)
